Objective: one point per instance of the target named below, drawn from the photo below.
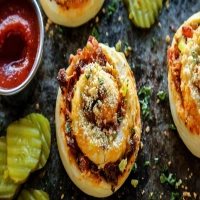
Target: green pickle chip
(23, 149)
(143, 13)
(43, 125)
(8, 188)
(32, 194)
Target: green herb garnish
(165, 168)
(134, 169)
(156, 160)
(60, 29)
(68, 129)
(161, 95)
(145, 92)
(114, 133)
(118, 45)
(174, 196)
(95, 33)
(153, 42)
(147, 163)
(100, 81)
(168, 179)
(172, 126)
(87, 76)
(178, 184)
(112, 8)
(119, 119)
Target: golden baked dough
(98, 124)
(184, 82)
(71, 13)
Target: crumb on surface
(62, 196)
(97, 19)
(195, 195)
(37, 106)
(167, 39)
(186, 194)
(143, 192)
(141, 145)
(147, 129)
(165, 133)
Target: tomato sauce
(19, 40)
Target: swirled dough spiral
(184, 82)
(103, 118)
(71, 13)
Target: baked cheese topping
(94, 111)
(190, 60)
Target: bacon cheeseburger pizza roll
(97, 119)
(184, 82)
(71, 13)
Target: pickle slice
(8, 188)
(43, 125)
(23, 149)
(32, 194)
(143, 12)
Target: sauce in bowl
(19, 41)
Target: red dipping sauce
(19, 40)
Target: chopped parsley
(165, 168)
(156, 160)
(119, 119)
(60, 29)
(172, 127)
(195, 55)
(95, 33)
(147, 163)
(100, 81)
(134, 169)
(145, 92)
(68, 129)
(153, 42)
(174, 196)
(178, 184)
(170, 179)
(112, 8)
(132, 130)
(127, 49)
(114, 133)
(87, 76)
(161, 95)
(118, 45)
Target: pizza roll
(98, 123)
(184, 82)
(71, 13)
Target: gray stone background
(150, 69)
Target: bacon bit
(187, 31)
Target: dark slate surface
(150, 69)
